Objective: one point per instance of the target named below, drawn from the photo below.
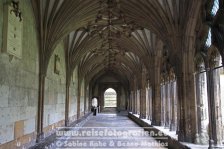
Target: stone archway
(110, 98)
(103, 87)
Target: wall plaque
(12, 33)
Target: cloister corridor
(125, 73)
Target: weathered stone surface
(4, 96)
(6, 132)
(18, 129)
(61, 98)
(29, 125)
(19, 83)
(4, 115)
(1, 23)
(17, 97)
(32, 98)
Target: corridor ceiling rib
(57, 18)
(95, 63)
(110, 29)
(160, 18)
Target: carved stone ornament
(16, 10)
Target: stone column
(156, 88)
(78, 99)
(130, 103)
(134, 102)
(118, 99)
(187, 110)
(198, 97)
(213, 87)
(156, 104)
(216, 96)
(181, 111)
(40, 112)
(185, 74)
(85, 103)
(167, 105)
(142, 93)
(155, 73)
(90, 97)
(177, 106)
(172, 106)
(147, 102)
(87, 99)
(163, 106)
(67, 103)
(150, 104)
(135, 96)
(138, 101)
(211, 110)
(143, 103)
(201, 94)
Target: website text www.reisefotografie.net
(101, 137)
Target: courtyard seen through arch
(110, 98)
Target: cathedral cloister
(73, 65)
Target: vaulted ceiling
(119, 36)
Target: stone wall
(1, 22)
(19, 88)
(54, 103)
(73, 96)
(19, 84)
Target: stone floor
(105, 130)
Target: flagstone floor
(108, 130)
(103, 131)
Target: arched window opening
(214, 10)
(94, 102)
(110, 98)
(215, 7)
(209, 38)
